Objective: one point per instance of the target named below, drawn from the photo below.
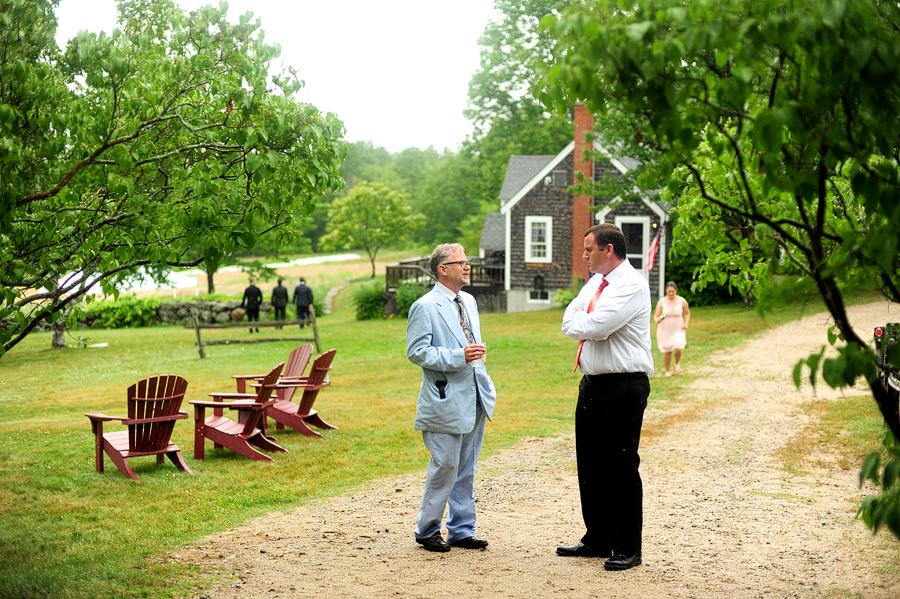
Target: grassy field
(70, 532)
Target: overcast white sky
(395, 71)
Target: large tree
(166, 143)
(371, 216)
(507, 119)
(783, 116)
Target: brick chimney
(581, 205)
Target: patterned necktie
(463, 321)
(589, 310)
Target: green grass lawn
(70, 532)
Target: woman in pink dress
(673, 316)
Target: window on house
(538, 297)
(538, 235)
(560, 179)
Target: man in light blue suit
(443, 336)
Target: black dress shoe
(470, 543)
(434, 543)
(579, 549)
(623, 562)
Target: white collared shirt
(617, 331)
(446, 291)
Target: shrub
(565, 296)
(407, 294)
(681, 270)
(319, 293)
(369, 301)
(126, 311)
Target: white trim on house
(507, 243)
(620, 166)
(644, 221)
(530, 254)
(600, 215)
(661, 261)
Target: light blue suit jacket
(435, 341)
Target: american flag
(654, 247)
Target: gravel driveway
(721, 517)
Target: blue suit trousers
(451, 480)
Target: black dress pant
(608, 421)
(302, 314)
(252, 315)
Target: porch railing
(416, 271)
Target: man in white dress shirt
(611, 319)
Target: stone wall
(179, 313)
(173, 313)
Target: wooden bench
(246, 324)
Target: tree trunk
(748, 301)
(210, 285)
(58, 333)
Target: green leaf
(637, 31)
(891, 473)
(869, 469)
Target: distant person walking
(303, 299)
(252, 299)
(280, 301)
(673, 317)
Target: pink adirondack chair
(293, 369)
(299, 416)
(244, 435)
(153, 408)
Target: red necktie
(589, 310)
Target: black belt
(611, 377)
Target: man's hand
(475, 351)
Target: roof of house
(524, 172)
(521, 170)
(493, 235)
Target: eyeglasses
(465, 263)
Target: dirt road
(721, 517)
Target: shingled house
(543, 225)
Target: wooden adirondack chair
(153, 408)
(299, 416)
(293, 369)
(242, 435)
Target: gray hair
(441, 253)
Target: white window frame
(529, 256)
(532, 300)
(639, 220)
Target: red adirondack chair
(242, 435)
(299, 416)
(153, 408)
(293, 369)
